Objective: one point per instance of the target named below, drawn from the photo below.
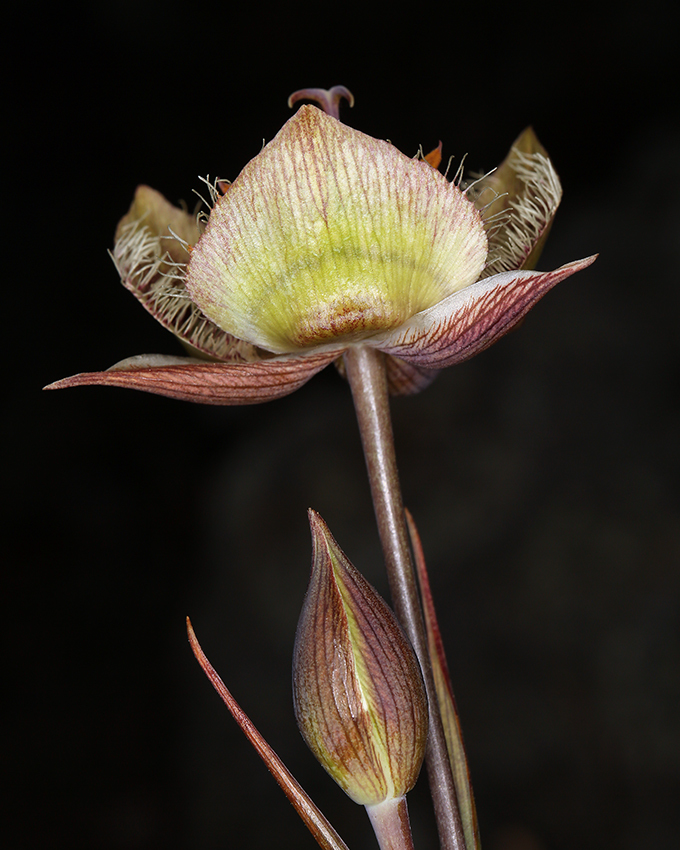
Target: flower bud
(359, 696)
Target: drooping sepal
(471, 320)
(189, 379)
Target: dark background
(543, 474)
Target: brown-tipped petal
(189, 379)
(151, 249)
(471, 320)
(174, 227)
(519, 199)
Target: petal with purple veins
(471, 320)
(190, 379)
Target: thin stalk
(326, 837)
(391, 824)
(367, 378)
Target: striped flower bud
(359, 697)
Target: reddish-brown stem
(326, 837)
(367, 378)
(391, 824)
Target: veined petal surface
(519, 199)
(358, 691)
(150, 253)
(469, 321)
(189, 379)
(331, 234)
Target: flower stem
(367, 378)
(391, 824)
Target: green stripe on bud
(359, 697)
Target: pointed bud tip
(317, 524)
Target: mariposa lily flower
(330, 239)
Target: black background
(543, 474)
